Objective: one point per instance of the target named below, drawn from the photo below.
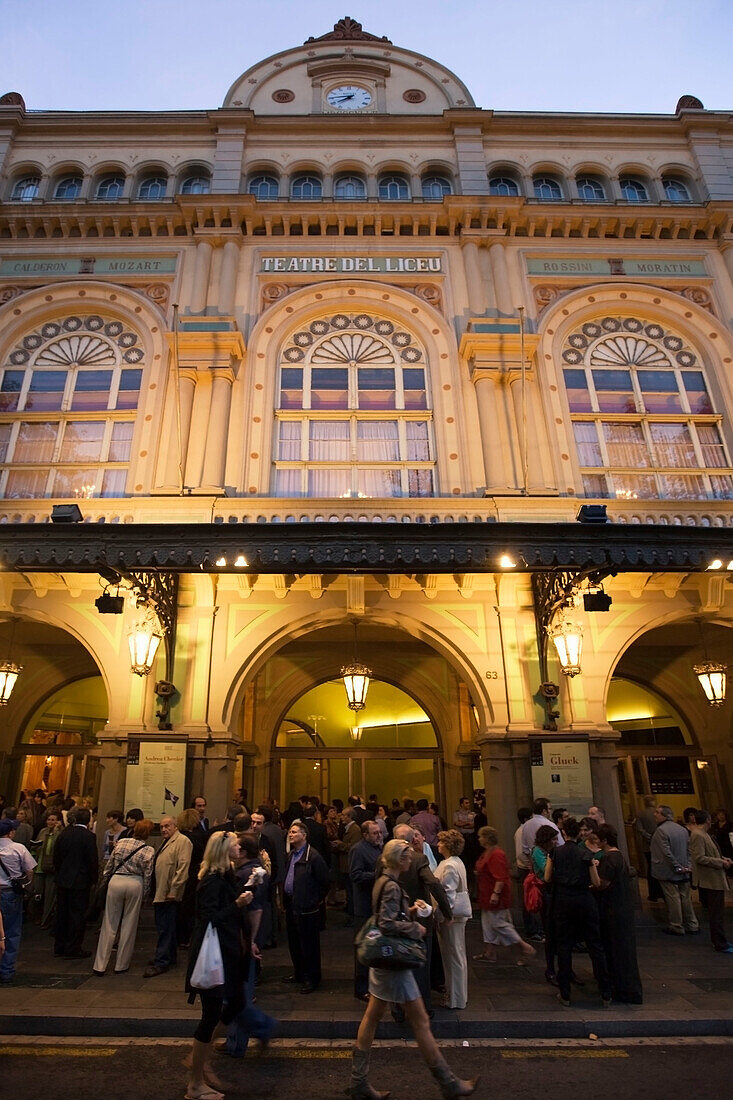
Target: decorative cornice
(353, 547)
(490, 218)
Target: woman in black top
(618, 932)
(219, 902)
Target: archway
(389, 749)
(417, 731)
(670, 738)
(58, 706)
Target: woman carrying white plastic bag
(208, 972)
(217, 959)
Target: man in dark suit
(418, 881)
(317, 837)
(76, 864)
(304, 888)
(199, 805)
(362, 862)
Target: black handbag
(387, 951)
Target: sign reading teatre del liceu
(337, 265)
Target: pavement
(688, 991)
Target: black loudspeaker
(596, 601)
(110, 605)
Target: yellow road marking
(564, 1053)
(59, 1052)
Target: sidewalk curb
(602, 1027)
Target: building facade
(331, 370)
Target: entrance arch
(408, 674)
(390, 748)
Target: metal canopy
(358, 547)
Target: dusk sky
(629, 55)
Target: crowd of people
(401, 864)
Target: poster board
(153, 768)
(561, 772)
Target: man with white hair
(170, 875)
(671, 867)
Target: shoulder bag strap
(124, 861)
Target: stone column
(228, 278)
(212, 476)
(604, 773)
(497, 761)
(502, 288)
(532, 436)
(202, 269)
(474, 278)
(170, 476)
(494, 441)
(727, 254)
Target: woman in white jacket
(451, 873)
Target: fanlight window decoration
(643, 417)
(68, 394)
(353, 416)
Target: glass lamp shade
(9, 673)
(356, 681)
(356, 732)
(567, 637)
(712, 677)
(143, 639)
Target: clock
(349, 97)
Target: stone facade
(352, 295)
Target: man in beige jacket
(170, 874)
(709, 869)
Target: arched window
(393, 188)
(504, 186)
(547, 189)
(643, 418)
(68, 394)
(153, 188)
(196, 185)
(349, 187)
(68, 187)
(264, 187)
(675, 190)
(434, 187)
(633, 190)
(590, 189)
(353, 416)
(306, 187)
(110, 188)
(26, 189)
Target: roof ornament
(688, 103)
(12, 99)
(348, 30)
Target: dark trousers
(71, 911)
(166, 916)
(304, 943)
(576, 921)
(714, 902)
(655, 892)
(547, 915)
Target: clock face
(349, 97)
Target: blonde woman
(219, 902)
(451, 874)
(395, 915)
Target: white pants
(498, 928)
(124, 898)
(453, 949)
